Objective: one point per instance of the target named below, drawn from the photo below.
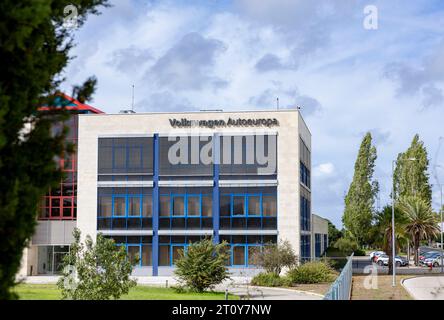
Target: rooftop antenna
(132, 104)
(277, 103)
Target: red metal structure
(61, 203)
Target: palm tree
(384, 228)
(422, 223)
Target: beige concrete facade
(290, 129)
(319, 226)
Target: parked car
(434, 261)
(427, 255)
(375, 254)
(383, 260)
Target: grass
(384, 291)
(51, 292)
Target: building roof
(71, 104)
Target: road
(425, 288)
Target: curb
(291, 290)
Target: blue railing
(341, 288)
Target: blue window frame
(304, 175)
(305, 247)
(305, 214)
(254, 208)
(125, 208)
(189, 209)
(317, 245)
(137, 245)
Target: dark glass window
(147, 255)
(125, 155)
(119, 206)
(239, 206)
(164, 255)
(182, 156)
(207, 206)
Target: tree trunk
(390, 254)
(416, 249)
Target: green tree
(384, 228)
(422, 222)
(333, 233)
(203, 266)
(360, 199)
(275, 256)
(95, 271)
(411, 177)
(34, 49)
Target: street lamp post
(393, 221)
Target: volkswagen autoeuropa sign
(240, 122)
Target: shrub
(268, 279)
(360, 252)
(276, 256)
(95, 271)
(203, 266)
(346, 245)
(311, 272)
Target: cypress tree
(34, 49)
(360, 199)
(411, 177)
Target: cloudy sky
(320, 55)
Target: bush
(311, 272)
(276, 256)
(346, 245)
(203, 266)
(360, 252)
(268, 279)
(95, 271)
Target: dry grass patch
(319, 288)
(385, 291)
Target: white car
(383, 260)
(375, 254)
(434, 260)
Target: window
(178, 206)
(305, 248)
(186, 152)
(239, 206)
(317, 245)
(269, 206)
(248, 154)
(133, 253)
(177, 252)
(193, 205)
(147, 206)
(164, 207)
(305, 175)
(147, 255)
(254, 205)
(305, 214)
(225, 206)
(164, 255)
(207, 206)
(119, 206)
(125, 155)
(134, 206)
(248, 208)
(238, 255)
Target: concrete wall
(290, 126)
(320, 225)
(57, 232)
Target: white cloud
(323, 169)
